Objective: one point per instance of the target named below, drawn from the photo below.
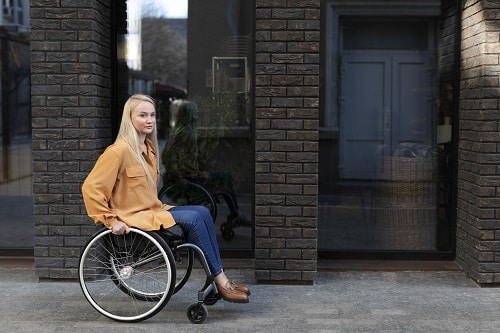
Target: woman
(120, 192)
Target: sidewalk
(348, 301)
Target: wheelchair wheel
(129, 277)
(197, 313)
(227, 231)
(184, 192)
(184, 259)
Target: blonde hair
(128, 132)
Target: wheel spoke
(127, 278)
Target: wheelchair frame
(131, 277)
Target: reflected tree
(164, 47)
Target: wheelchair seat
(172, 234)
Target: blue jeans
(198, 225)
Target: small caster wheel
(197, 313)
(227, 231)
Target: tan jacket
(117, 188)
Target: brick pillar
(71, 79)
(478, 211)
(286, 133)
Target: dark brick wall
(286, 147)
(71, 80)
(478, 226)
(447, 43)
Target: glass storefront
(387, 108)
(385, 140)
(16, 194)
(197, 52)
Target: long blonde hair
(129, 133)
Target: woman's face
(144, 118)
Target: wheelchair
(182, 191)
(131, 277)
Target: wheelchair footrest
(208, 294)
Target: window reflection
(385, 172)
(16, 202)
(196, 52)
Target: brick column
(478, 211)
(71, 80)
(286, 132)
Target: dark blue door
(385, 99)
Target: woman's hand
(120, 228)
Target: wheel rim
(131, 281)
(184, 259)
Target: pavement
(339, 301)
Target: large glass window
(16, 200)
(197, 53)
(385, 142)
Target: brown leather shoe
(240, 287)
(230, 294)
